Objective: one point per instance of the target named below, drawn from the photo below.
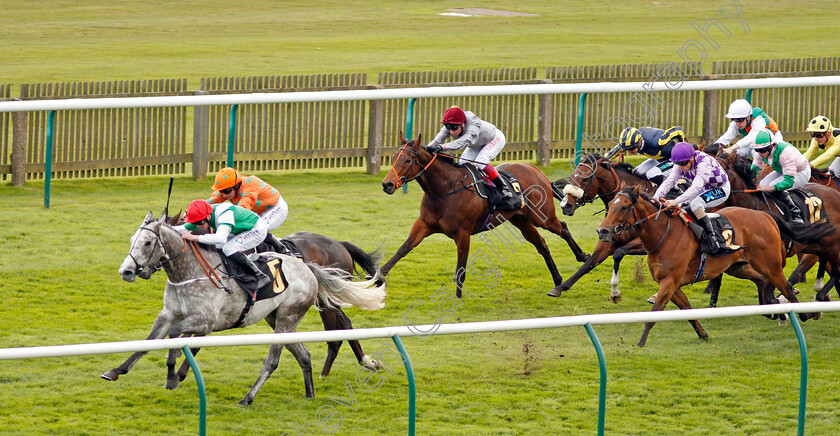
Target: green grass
(60, 286)
(62, 40)
(59, 283)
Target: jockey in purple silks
(709, 186)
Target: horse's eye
(148, 243)
(407, 161)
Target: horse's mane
(742, 167)
(591, 158)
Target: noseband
(619, 228)
(163, 259)
(582, 198)
(402, 180)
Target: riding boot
(275, 244)
(795, 212)
(502, 187)
(657, 180)
(241, 259)
(715, 240)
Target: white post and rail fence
(395, 332)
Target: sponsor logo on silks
(239, 240)
(713, 194)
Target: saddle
(721, 225)
(288, 248)
(485, 188)
(809, 203)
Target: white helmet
(739, 109)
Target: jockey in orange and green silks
(746, 121)
(252, 193)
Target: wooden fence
(362, 134)
(107, 142)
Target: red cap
(197, 211)
(454, 115)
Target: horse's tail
(337, 290)
(369, 262)
(804, 233)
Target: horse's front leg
(806, 262)
(196, 325)
(601, 252)
(681, 300)
(419, 231)
(667, 288)
(161, 326)
(185, 365)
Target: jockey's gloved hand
(434, 149)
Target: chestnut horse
(674, 259)
(452, 206)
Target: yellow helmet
(819, 124)
(226, 178)
(630, 138)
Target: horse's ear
(637, 189)
(418, 141)
(622, 185)
(702, 145)
(402, 137)
(149, 218)
(174, 220)
(163, 216)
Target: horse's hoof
(817, 316)
(171, 386)
(244, 403)
(110, 375)
(556, 292)
(615, 299)
(652, 299)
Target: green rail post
(231, 134)
(803, 371)
(202, 396)
(409, 129)
(48, 162)
(412, 391)
(748, 98)
(602, 392)
(579, 130)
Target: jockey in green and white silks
(235, 228)
(746, 121)
(790, 169)
(656, 144)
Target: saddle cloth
(485, 188)
(270, 266)
(723, 228)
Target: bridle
(620, 227)
(401, 179)
(583, 200)
(166, 258)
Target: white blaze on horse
(194, 305)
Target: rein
(205, 266)
(402, 180)
(617, 179)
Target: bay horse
(598, 178)
(193, 304)
(674, 259)
(451, 206)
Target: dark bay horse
(193, 304)
(674, 259)
(451, 206)
(326, 251)
(597, 178)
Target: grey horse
(193, 305)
